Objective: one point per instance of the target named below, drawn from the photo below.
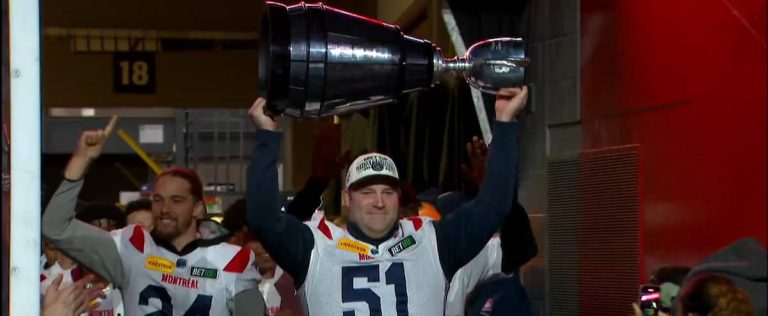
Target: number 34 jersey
(348, 277)
(200, 280)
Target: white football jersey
(486, 264)
(47, 275)
(349, 277)
(270, 293)
(201, 282)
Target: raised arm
(90, 246)
(461, 236)
(286, 239)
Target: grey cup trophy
(317, 61)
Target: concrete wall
(203, 79)
(184, 79)
(197, 79)
(552, 128)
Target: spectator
(669, 279)
(276, 286)
(326, 165)
(209, 229)
(745, 262)
(104, 215)
(72, 299)
(516, 234)
(49, 257)
(107, 217)
(499, 295)
(63, 266)
(714, 295)
(504, 254)
(139, 212)
(381, 264)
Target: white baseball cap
(371, 165)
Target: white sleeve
(493, 258)
(483, 266)
(116, 237)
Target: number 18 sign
(134, 72)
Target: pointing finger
(110, 126)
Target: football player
(378, 264)
(167, 271)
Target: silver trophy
(317, 61)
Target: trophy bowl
(317, 61)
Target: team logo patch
(204, 272)
(401, 245)
(353, 246)
(159, 264)
(377, 165)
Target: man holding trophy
(313, 64)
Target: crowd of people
(391, 252)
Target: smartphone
(650, 300)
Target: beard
(169, 231)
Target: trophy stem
(458, 65)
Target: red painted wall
(686, 80)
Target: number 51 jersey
(200, 280)
(348, 277)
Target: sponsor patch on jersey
(353, 246)
(401, 245)
(199, 272)
(159, 264)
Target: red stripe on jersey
(323, 227)
(137, 239)
(417, 222)
(240, 261)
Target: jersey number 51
(395, 275)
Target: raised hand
(259, 116)
(92, 142)
(509, 102)
(73, 299)
(89, 148)
(477, 151)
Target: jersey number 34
(200, 307)
(395, 275)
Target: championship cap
(371, 166)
